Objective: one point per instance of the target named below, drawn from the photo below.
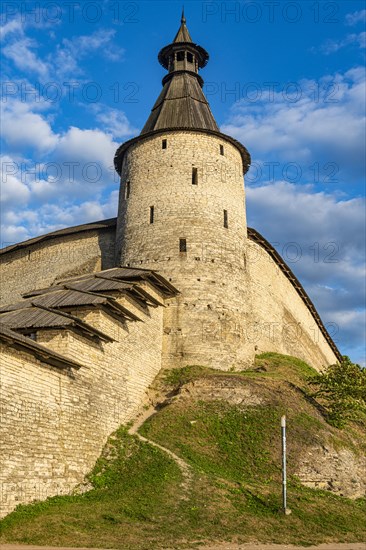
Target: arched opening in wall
(152, 214)
(226, 219)
(182, 245)
(127, 189)
(180, 56)
(194, 176)
(164, 144)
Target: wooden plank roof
(95, 226)
(46, 355)
(32, 317)
(183, 33)
(181, 104)
(36, 318)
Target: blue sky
(285, 78)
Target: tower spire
(183, 33)
(182, 103)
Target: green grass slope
(141, 500)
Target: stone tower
(182, 213)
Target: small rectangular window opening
(127, 189)
(151, 214)
(182, 245)
(189, 57)
(164, 144)
(226, 221)
(180, 56)
(194, 176)
(221, 149)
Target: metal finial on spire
(183, 33)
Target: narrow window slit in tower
(182, 245)
(221, 149)
(226, 221)
(127, 189)
(194, 176)
(190, 57)
(164, 144)
(151, 214)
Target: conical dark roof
(183, 33)
(181, 103)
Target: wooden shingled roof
(33, 318)
(46, 355)
(183, 33)
(181, 104)
(53, 307)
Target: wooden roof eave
(45, 355)
(78, 323)
(95, 226)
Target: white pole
(286, 510)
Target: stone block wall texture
(235, 301)
(280, 320)
(210, 274)
(43, 263)
(54, 423)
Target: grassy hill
(225, 426)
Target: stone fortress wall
(280, 320)
(55, 421)
(234, 300)
(209, 269)
(69, 382)
(41, 261)
(277, 318)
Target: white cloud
(11, 234)
(327, 127)
(22, 128)
(64, 59)
(73, 165)
(100, 40)
(356, 17)
(333, 46)
(19, 225)
(114, 121)
(71, 51)
(22, 54)
(12, 190)
(87, 146)
(12, 26)
(322, 240)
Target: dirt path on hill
(228, 546)
(183, 465)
